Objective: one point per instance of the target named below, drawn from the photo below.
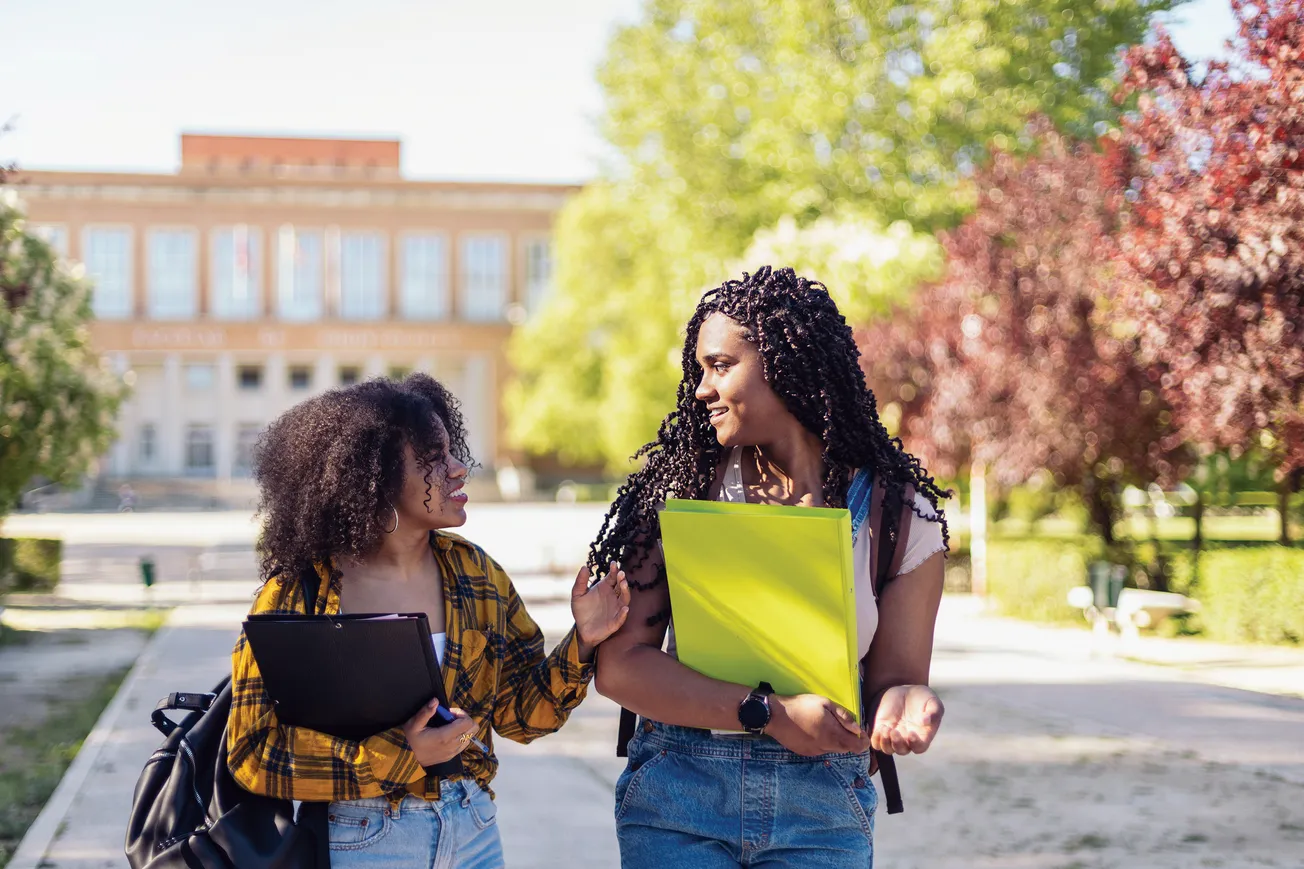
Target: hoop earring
(395, 528)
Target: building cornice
(311, 192)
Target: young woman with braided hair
(772, 409)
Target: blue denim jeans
(457, 831)
(694, 800)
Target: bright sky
(501, 90)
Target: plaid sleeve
(275, 759)
(536, 692)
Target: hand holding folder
(350, 676)
(764, 593)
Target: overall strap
(859, 496)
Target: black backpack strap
(314, 819)
(887, 546)
(628, 723)
(312, 816)
(310, 581)
(178, 700)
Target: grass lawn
(33, 759)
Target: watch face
(754, 713)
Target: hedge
(1247, 593)
(29, 563)
(1253, 595)
(1030, 579)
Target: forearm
(538, 698)
(651, 683)
(902, 652)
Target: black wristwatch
(754, 711)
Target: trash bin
(1106, 582)
(147, 571)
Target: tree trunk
(1101, 508)
(1283, 509)
(1197, 513)
(978, 528)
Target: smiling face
(743, 409)
(432, 496)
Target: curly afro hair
(811, 361)
(330, 467)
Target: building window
(53, 234)
(107, 253)
(173, 289)
(538, 273)
(424, 293)
(349, 375)
(246, 438)
(199, 449)
(148, 443)
(200, 378)
(249, 377)
(362, 276)
(484, 278)
(300, 378)
(236, 272)
(299, 273)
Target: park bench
(1107, 605)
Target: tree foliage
(57, 400)
(772, 123)
(1014, 359)
(1213, 234)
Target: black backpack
(188, 812)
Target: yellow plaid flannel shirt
(494, 668)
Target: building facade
(266, 270)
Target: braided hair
(811, 361)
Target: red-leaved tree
(1212, 237)
(1011, 360)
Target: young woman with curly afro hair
(772, 409)
(359, 488)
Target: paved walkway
(1053, 754)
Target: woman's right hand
(811, 725)
(434, 745)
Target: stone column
(477, 401)
(118, 461)
(224, 420)
(324, 374)
(171, 427)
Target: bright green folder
(764, 593)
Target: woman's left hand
(601, 610)
(907, 720)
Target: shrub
(1252, 594)
(1030, 579)
(29, 563)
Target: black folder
(350, 676)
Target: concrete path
(1052, 755)
(83, 824)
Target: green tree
(730, 118)
(868, 268)
(58, 401)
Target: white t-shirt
(923, 538)
(440, 640)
